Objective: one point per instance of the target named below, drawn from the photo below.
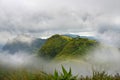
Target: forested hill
(62, 46)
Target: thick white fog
(43, 18)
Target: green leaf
(64, 71)
(56, 73)
(70, 72)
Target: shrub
(64, 75)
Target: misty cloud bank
(43, 17)
(103, 58)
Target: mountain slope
(59, 45)
(53, 46)
(23, 43)
(77, 47)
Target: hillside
(59, 46)
(23, 43)
(53, 46)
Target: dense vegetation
(60, 46)
(54, 45)
(65, 75)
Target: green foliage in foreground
(101, 76)
(64, 76)
(25, 75)
(22, 75)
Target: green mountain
(61, 46)
(77, 47)
(54, 45)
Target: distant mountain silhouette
(77, 36)
(23, 43)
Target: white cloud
(41, 17)
(5, 36)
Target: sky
(43, 18)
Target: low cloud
(44, 17)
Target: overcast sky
(46, 17)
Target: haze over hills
(23, 43)
(1, 47)
(61, 49)
(56, 46)
(88, 38)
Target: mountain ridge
(61, 45)
(23, 43)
